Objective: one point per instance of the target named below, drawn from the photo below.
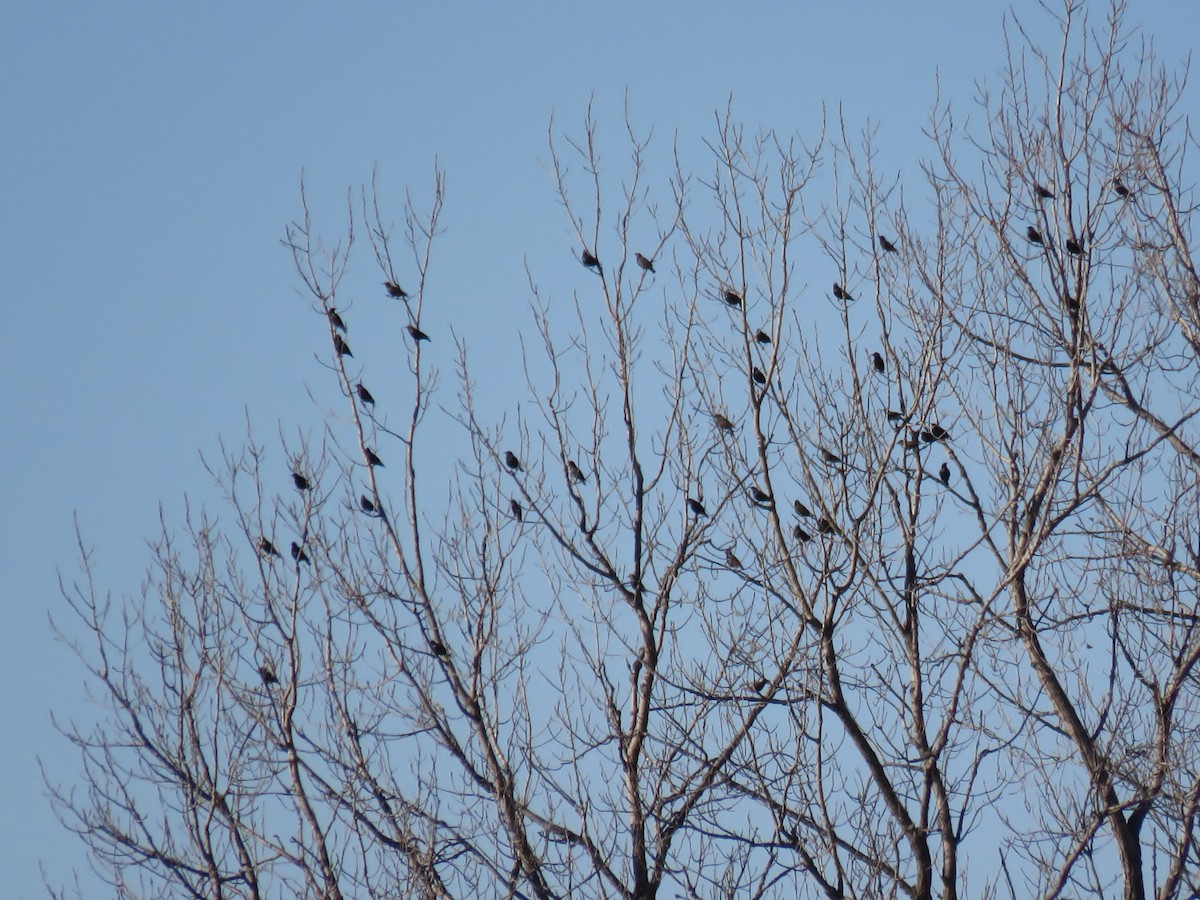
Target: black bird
(510, 460)
(438, 648)
(939, 433)
(394, 290)
(722, 422)
(367, 506)
(1042, 193)
(758, 684)
(416, 333)
(762, 337)
(877, 362)
(590, 260)
(761, 496)
(267, 674)
(944, 474)
(299, 555)
(266, 548)
(757, 374)
(733, 298)
(335, 320)
(1035, 236)
(893, 416)
(1119, 187)
(340, 346)
(372, 459)
(364, 395)
(801, 509)
(801, 535)
(841, 293)
(887, 245)
(928, 437)
(1073, 247)
(647, 264)
(830, 457)
(696, 507)
(825, 526)
(575, 473)
(515, 508)
(731, 559)
(300, 481)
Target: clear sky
(151, 155)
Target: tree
(746, 635)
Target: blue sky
(151, 157)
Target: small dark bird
(1073, 247)
(416, 333)
(438, 648)
(299, 555)
(939, 433)
(733, 298)
(372, 459)
(825, 526)
(266, 548)
(761, 496)
(1119, 187)
(647, 264)
(1042, 193)
(801, 509)
(758, 684)
(723, 423)
(757, 374)
(267, 674)
(801, 535)
(515, 508)
(944, 474)
(335, 320)
(927, 437)
(877, 362)
(830, 457)
(731, 559)
(840, 293)
(510, 460)
(394, 290)
(300, 481)
(364, 395)
(887, 245)
(575, 473)
(696, 507)
(1035, 236)
(893, 416)
(367, 506)
(914, 441)
(762, 337)
(340, 346)
(590, 261)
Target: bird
(944, 474)
(731, 559)
(1042, 193)
(893, 416)
(266, 548)
(575, 473)
(830, 457)
(647, 264)
(761, 496)
(394, 290)
(1073, 247)
(696, 507)
(1035, 236)
(591, 261)
(757, 374)
(340, 346)
(299, 555)
(825, 526)
(877, 362)
(939, 433)
(1119, 187)
(733, 298)
(367, 506)
(372, 459)
(335, 320)
(801, 535)
(840, 292)
(364, 395)
(267, 674)
(801, 509)
(438, 648)
(888, 246)
(416, 333)
(928, 437)
(515, 508)
(722, 422)
(300, 481)
(762, 337)
(758, 684)
(510, 460)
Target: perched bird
(761, 496)
(731, 559)
(510, 460)
(438, 648)
(416, 333)
(757, 374)
(1119, 187)
(830, 457)
(372, 459)
(647, 264)
(722, 422)
(696, 507)
(758, 684)
(888, 246)
(335, 320)
(364, 395)
(367, 506)
(801, 535)
(1035, 236)
(825, 526)
(299, 555)
(340, 346)
(300, 481)
(841, 293)
(733, 298)
(801, 509)
(590, 260)
(515, 508)
(1042, 193)
(928, 437)
(762, 337)
(575, 473)
(266, 548)
(944, 474)
(939, 433)
(893, 416)
(877, 362)
(267, 674)
(1074, 247)
(394, 290)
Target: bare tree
(768, 589)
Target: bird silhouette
(438, 648)
(575, 473)
(335, 320)
(340, 346)
(757, 374)
(928, 437)
(394, 290)
(841, 293)
(896, 417)
(733, 298)
(266, 548)
(364, 395)
(722, 422)
(887, 245)
(1119, 187)
(939, 433)
(696, 507)
(416, 333)
(299, 555)
(515, 508)
(510, 460)
(367, 506)
(761, 496)
(1035, 236)
(825, 526)
(944, 474)
(877, 362)
(647, 264)
(1042, 193)
(590, 260)
(830, 457)
(731, 559)
(372, 459)
(762, 337)
(267, 674)
(758, 684)
(801, 509)
(1074, 247)
(801, 535)
(300, 482)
